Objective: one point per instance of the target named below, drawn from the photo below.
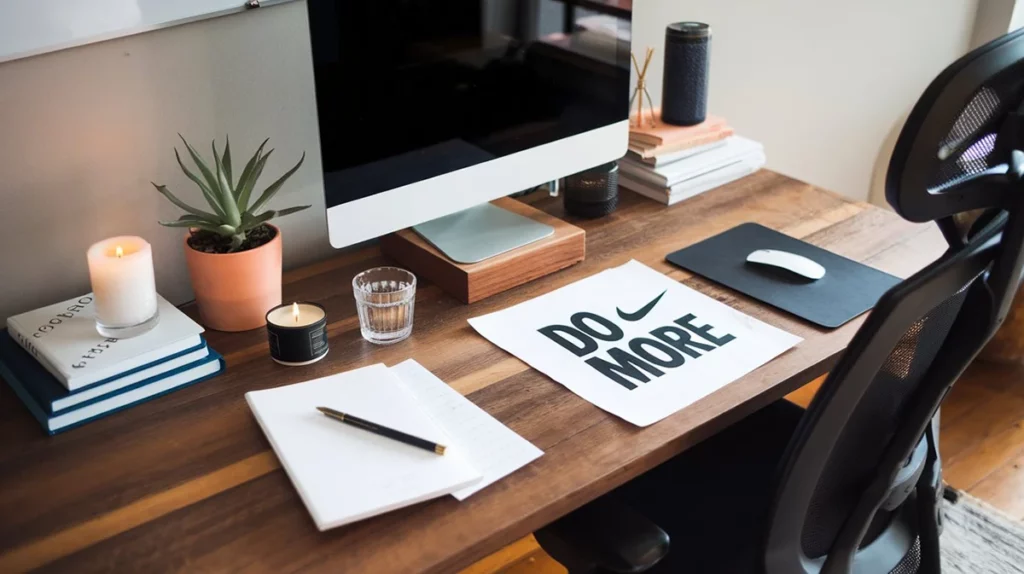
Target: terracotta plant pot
(234, 291)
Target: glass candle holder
(385, 300)
(123, 286)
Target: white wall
(995, 18)
(822, 83)
(83, 131)
(1016, 16)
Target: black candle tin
(296, 346)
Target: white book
(63, 338)
(697, 185)
(344, 474)
(134, 377)
(662, 160)
(673, 173)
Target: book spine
(25, 341)
(26, 398)
(714, 180)
(642, 173)
(645, 191)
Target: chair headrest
(954, 153)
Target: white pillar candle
(121, 272)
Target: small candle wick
(295, 311)
(118, 252)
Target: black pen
(382, 430)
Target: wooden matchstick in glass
(641, 89)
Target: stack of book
(671, 163)
(68, 374)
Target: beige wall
(83, 131)
(821, 83)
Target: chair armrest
(604, 536)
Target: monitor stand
(481, 232)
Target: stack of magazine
(68, 374)
(671, 163)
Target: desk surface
(188, 481)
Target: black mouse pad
(847, 289)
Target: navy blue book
(35, 386)
(54, 397)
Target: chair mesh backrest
(875, 419)
(911, 561)
(967, 148)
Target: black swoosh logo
(643, 311)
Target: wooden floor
(982, 445)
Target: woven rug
(979, 539)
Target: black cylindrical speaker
(684, 93)
(594, 192)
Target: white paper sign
(634, 342)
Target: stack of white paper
(344, 474)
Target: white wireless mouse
(791, 262)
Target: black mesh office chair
(853, 485)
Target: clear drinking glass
(385, 297)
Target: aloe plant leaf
(212, 199)
(223, 188)
(189, 218)
(258, 220)
(170, 197)
(254, 176)
(193, 225)
(274, 187)
(237, 241)
(291, 210)
(211, 181)
(246, 171)
(226, 162)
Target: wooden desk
(187, 481)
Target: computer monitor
(431, 107)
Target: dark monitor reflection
(412, 89)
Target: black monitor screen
(411, 89)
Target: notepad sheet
(491, 447)
(344, 474)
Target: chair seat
(713, 499)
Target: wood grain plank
(980, 430)
(805, 394)
(121, 462)
(506, 558)
(988, 435)
(1003, 487)
(538, 563)
(87, 533)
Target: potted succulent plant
(233, 253)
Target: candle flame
(118, 252)
(295, 311)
